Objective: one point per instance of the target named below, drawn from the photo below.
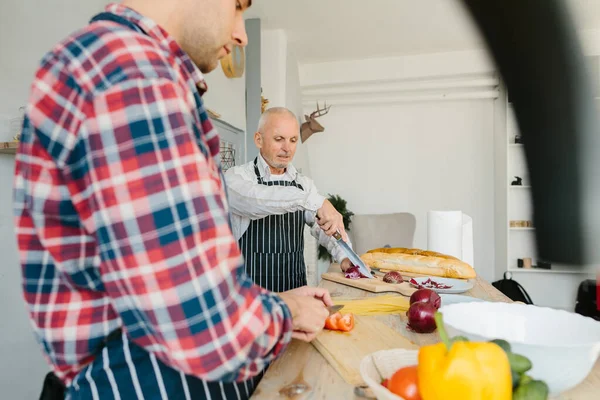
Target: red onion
(353, 273)
(421, 317)
(429, 284)
(426, 296)
(393, 277)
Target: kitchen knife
(333, 309)
(354, 258)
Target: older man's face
(279, 141)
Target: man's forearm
(255, 201)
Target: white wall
(293, 101)
(227, 97)
(29, 28)
(273, 58)
(281, 82)
(412, 158)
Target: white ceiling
(322, 30)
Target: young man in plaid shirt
(133, 280)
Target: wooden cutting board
(345, 350)
(375, 285)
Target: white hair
(271, 112)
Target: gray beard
(276, 165)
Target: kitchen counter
(302, 363)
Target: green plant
(341, 206)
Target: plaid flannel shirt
(121, 214)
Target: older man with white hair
(270, 203)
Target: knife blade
(354, 258)
(333, 309)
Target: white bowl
(562, 346)
(388, 362)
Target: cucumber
(533, 390)
(502, 343)
(518, 363)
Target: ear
(258, 140)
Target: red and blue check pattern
(121, 214)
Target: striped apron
(124, 370)
(273, 247)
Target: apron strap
(107, 16)
(261, 180)
(257, 171)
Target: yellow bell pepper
(467, 371)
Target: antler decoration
(311, 125)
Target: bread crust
(423, 262)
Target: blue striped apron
(124, 370)
(273, 247)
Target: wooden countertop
(302, 363)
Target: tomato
(332, 321)
(404, 383)
(346, 323)
(339, 322)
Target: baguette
(417, 261)
(415, 252)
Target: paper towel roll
(444, 232)
(451, 232)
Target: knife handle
(336, 235)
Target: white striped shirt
(249, 200)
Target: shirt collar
(290, 171)
(156, 32)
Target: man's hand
(308, 306)
(316, 292)
(330, 220)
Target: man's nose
(239, 32)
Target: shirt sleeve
(250, 199)
(329, 242)
(154, 198)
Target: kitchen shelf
(519, 186)
(8, 147)
(515, 145)
(516, 228)
(548, 271)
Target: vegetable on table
(353, 273)
(340, 322)
(421, 317)
(404, 383)
(431, 284)
(531, 390)
(393, 277)
(524, 387)
(463, 370)
(426, 296)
